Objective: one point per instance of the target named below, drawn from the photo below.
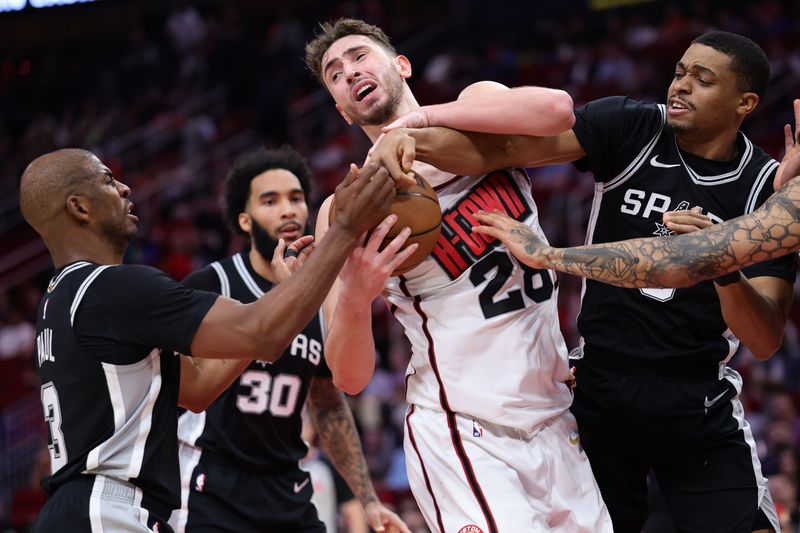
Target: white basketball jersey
(483, 327)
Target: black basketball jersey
(108, 391)
(256, 422)
(640, 173)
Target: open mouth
(678, 105)
(363, 89)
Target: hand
(396, 152)
(381, 518)
(570, 380)
(687, 220)
(790, 165)
(295, 255)
(366, 271)
(362, 200)
(520, 239)
(413, 119)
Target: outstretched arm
(336, 429)
(491, 107)
(771, 231)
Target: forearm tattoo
(337, 432)
(769, 232)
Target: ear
(78, 206)
(747, 103)
(403, 66)
(344, 114)
(245, 222)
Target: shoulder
(207, 278)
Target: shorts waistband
(125, 492)
(668, 369)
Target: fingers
(495, 219)
(797, 119)
(788, 138)
(380, 232)
(401, 258)
(490, 231)
(352, 175)
(278, 252)
(686, 221)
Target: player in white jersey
(490, 444)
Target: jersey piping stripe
(455, 437)
(95, 504)
(413, 440)
(719, 179)
(72, 268)
(248, 280)
(82, 291)
(144, 514)
(147, 416)
(224, 283)
(738, 414)
(755, 192)
(639, 160)
(189, 456)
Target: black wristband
(727, 279)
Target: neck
(262, 267)
(83, 247)
(719, 147)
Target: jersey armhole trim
(76, 302)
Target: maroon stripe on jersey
(448, 182)
(424, 470)
(461, 453)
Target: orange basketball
(418, 209)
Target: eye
(335, 76)
(679, 75)
(703, 82)
(360, 55)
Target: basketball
(417, 208)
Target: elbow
(767, 349)
(196, 405)
(564, 111)
(349, 386)
(560, 115)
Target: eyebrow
(275, 193)
(350, 51)
(697, 67)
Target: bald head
(49, 180)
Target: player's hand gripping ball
(417, 208)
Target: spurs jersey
(641, 173)
(105, 342)
(255, 423)
(483, 327)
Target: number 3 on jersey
(52, 417)
(538, 285)
(277, 394)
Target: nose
(123, 189)
(288, 209)
(351, 72)
(682, 85)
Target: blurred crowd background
(168, 93)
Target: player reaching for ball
(490, 444)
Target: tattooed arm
(336, 429)
(771, 231)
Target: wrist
(727, 279)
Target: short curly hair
(251, 164)
(330, 33)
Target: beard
(117, 234)
(393, 85)
(264, 242)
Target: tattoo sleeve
(336, 430)
(771, 231)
